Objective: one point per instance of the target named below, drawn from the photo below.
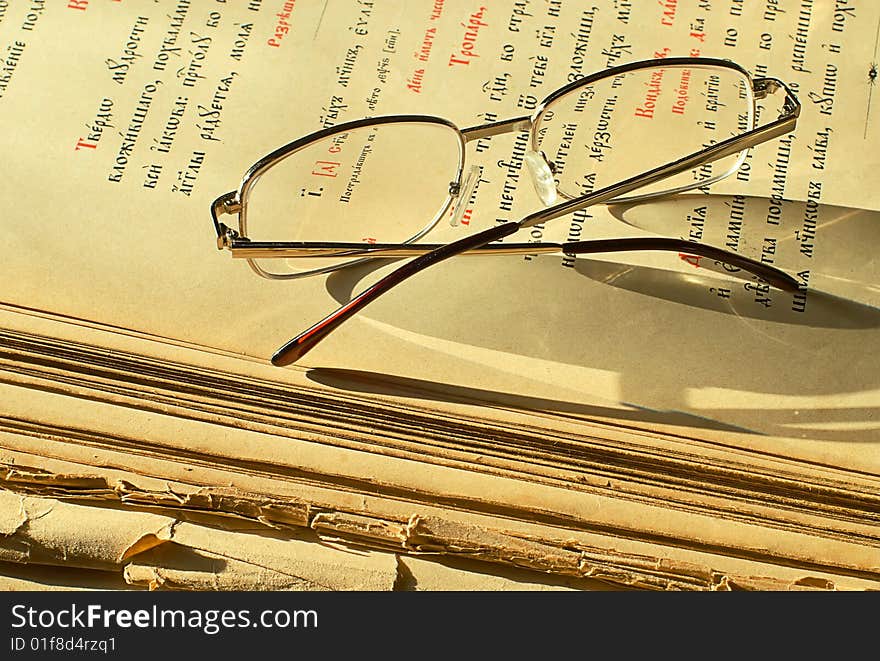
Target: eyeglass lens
(381, 183)
(621, 126)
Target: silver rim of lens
(253, 175)
(750, 103)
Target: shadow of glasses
(671, 345)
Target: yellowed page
(47, 531)
(503, 493)
(130, 119)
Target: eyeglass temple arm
(769, 274)
(733, 262)
(308, 339)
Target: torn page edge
(220, 500)
(418, 536)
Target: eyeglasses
(365, 189)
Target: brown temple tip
(785, 282)
(764, 272)
(286, 355)
(294, 349)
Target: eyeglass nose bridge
(542, 171)
(462, 191)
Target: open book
(636, 420)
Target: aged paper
(514, 491)
(165, 106)
(712, 532)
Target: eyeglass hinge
(226, 236)
(765, 86)
(225, 204)
(231, 205)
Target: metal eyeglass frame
(235, 202)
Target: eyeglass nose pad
(542, 176)
(464, 195)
